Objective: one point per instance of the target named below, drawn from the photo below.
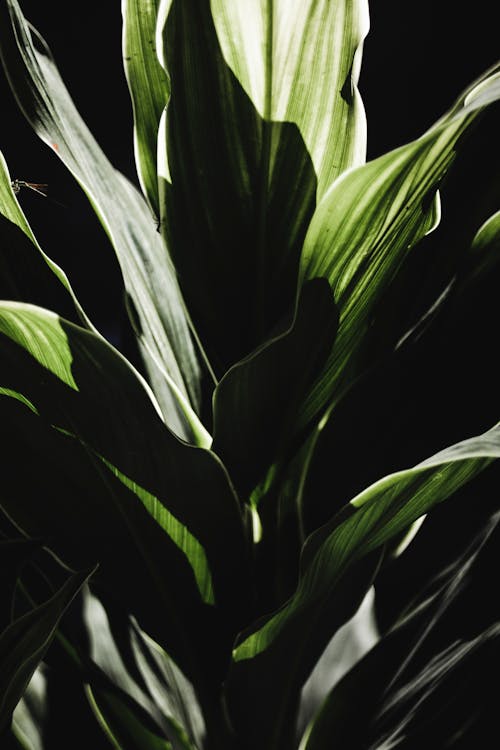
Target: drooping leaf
(371, 519)
(158, 314)
(368, 220)
(246, 148)
(149, 89)
(143, 512)
(24, 642)
(25, 270)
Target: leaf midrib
(260, 317)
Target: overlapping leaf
(255, 403)
(269, 113)
(300, 62)
(369, 219)
(142, 699)
(144, 511)
(372, 518)
(407, 675)
(148, 275)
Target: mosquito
(38, 187)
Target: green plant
(267, 271)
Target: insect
(39, 187)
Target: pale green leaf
(299, 61)
(368, 221)
(149, 89)
(270, 112)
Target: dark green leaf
(24, 642)
(246, 151)
(256, 402)
(137, 679)
(142, 511)
(14, 553)
(371, 519)
(402, 687)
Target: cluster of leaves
(267, 273)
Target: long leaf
(269, 114)
(366, 223)
(152, 482)
(158, 311)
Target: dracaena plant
(216, 587)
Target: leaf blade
(148, 275)
(350, 542)
(152, 488)
(368, 221)
(149, 89)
